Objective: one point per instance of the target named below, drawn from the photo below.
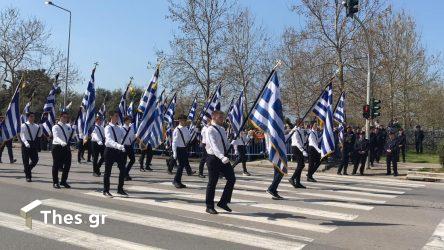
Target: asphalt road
(338, 212)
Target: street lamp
(69, 43)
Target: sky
(123, 35)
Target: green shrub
(440, 152)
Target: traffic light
(375, 107)
(352, 7)
(366, 111)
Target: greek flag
(129, 111)
(323, 109)
(339, 115)
(169, 118)
(11, 124)
(26, 111)
(147, 115)
(156, 129)
(212, 105)
(267, 115)
(236, 114)
(192, 112)
(89, 103)
(49, 110)
(102, 111)
(122, 104)
(144, 101)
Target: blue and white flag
(129, 111)
(11, 124)
(89, 105)
(267, 115)
(212, 105)
(236, 114)
(122, 104)
(49, 110)
(339, 115)
(156, 129)
(102, 111)
(26, 110)
(147, 116)
(169, 119)
(324, 110)
(192, 113)
(144, 100)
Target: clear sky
(122, 35)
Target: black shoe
(192, 173)
(1, 161)
(292, 183)
(83, 158)
(147, 168)
(224, 207)
(388, 174)
(65, 185)
(211, 211)
(353, 173)
(275, 195)
(28, 180)
(345, 173)
(56, 186)
(362, 174)
(299, 185)
(179, 185)
(339, 173)
(96, 174)
(107, 193)
(121, 192)
(311, 179)
(141, 169)
(201, 176)
(170, 172)
(245, 173)
(395, 174)
(13, 161)
(128, 178)
(88, 161)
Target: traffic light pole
(369, 79)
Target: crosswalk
(256, 221)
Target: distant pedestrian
(419, 137)
(402, 144)
(391, 152)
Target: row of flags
(152, 113)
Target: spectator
(419, 137)
(402, 144)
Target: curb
(425, 176)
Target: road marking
(279, 207)
(178, 226)
(265, 195)
(68, 235)
(387, 196)
(437, 240)
(234, 215)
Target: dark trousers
(182, 160)
(379, 152)
(27, 155)
(81, 151)
(8, 145)
(113, 156)
(97, 150)
(299, 157)
(61, 160)
(372, 155)
(391, 162)
(359, 159)
(242, 157)
(402, 152)
(345, 159)
(129, 153)
(314, 160)
(215, 167)
(203, 159)
(418, 147)
(148, 153)
(90, 150)
(276, 180)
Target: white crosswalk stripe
(67, 235)
(437, 240)
(178, 226)
(279, 207)
(289, 223)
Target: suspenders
(101, 135)
(126, 135)
(64, 133)
(181, 135)
(222, 139)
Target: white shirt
(112, 141)
(215, 143)
(131, 137)
(58, 137)
(240, 141)
(178, 142)
(98, 134)
(298, 139)
(314, 140)
(203, 133)
(36, 131)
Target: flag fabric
(49, 110)
(26, 111)
(339, 115)
(89, 103)
(156, 128)
(192, 112)
(102, 111)
(267, 115)
(129, 111)
(147, 118)
(169, 119)
(122, 109)
(144, 100)
(11, 124)
(323, 109)
(236, 114)
(212, 105)
(68, 106)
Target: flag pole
(244, 122)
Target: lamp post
(69, 43)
